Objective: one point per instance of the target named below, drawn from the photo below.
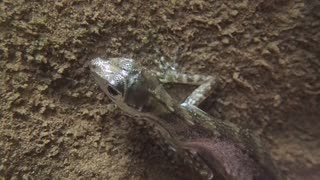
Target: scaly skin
(210, 145)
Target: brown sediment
(56, 123)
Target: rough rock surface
(56, 123)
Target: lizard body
(207, 143)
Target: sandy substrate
(55, 123)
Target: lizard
(208, 144)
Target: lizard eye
(112, 91)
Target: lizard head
(124, 82)
(111, 75)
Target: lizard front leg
(205, 83)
